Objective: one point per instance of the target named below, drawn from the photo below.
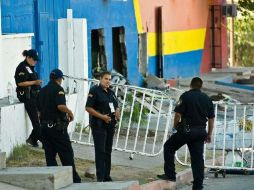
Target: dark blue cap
(56, 74)
(31, 53)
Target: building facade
(166, 38)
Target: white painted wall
(14, 127)
(11, 56)
(1, 70)
(77, 64)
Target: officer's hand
(70, 116)
(117, 114)
(37, 82)
(208, 139)
(106, 118)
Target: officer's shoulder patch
(179, 102)
(61, 92)
(21, 73)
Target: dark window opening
(119, 50)
(99, 61)
(159, 44)
(215, 27)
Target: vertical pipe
(120, 122)
(243, 142)
(157, 126)
(129, 124)
(139, 120)
(148, 123)
(215, 132)
(233, 148)
(224, 135)
(252, 137)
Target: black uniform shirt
(50, 97)
(25, 72)
(196, 107)
(100, 100)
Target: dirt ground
(25, 156)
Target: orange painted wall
(178, 15)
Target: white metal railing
(146, 117)
(232, 141)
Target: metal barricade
(232, 141)
(146, 116)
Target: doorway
(99, 61)
(119, 50)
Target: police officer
(103, 108)
(28, 87)
(192, 111)
(55, 117)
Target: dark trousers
(32, 111)
(103, 141)
(195, 142)
(58, 142)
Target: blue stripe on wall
(178, 65)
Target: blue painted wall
(181, 65)
(107, 14)
(40, 17)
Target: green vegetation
(244, 38)
(136, 110)
(248, 125)
(244, 41)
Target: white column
(1, 62)
(70, 45)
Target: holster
(23, 93)
(61, 124)
(183, 127)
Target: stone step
(119, 185)
(38, 177)
(5, 186)
(2, 160)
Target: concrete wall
(11, 57)
(14, 127)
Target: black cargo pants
(58, 142)
(195, 142)
(103, 140)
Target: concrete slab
(38, 177)
(159, 185)
(119, 158)
(119, 185)
(9, 187)
(2, 160)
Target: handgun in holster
(62, 123)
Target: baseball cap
(56, 73)
(32, 53)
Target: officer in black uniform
(192, 111)
(28, 87)
(55, 117)
(102, 105)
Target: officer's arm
(117, 114)
(65, 109)
(94, 113)
(210, 126)
(29, 83)
(177, 119)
